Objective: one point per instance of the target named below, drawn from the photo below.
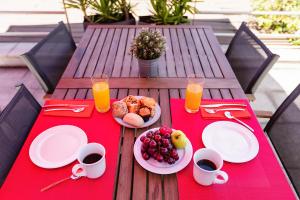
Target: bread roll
(119, 109)
(133, 119)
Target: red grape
(152, 144)
(146, 156)
(164, 130)
(157, 138)
(143, 138)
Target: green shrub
(277, 23)
(171, 11)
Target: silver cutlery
(76, 110)
(229, 116)
(222, 104)
(212, 111)
(72, 177)
(64, 105)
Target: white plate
(57, 146)
(233, 141)
(185, 156)
(151, 121)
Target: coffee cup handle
(224, 175)
(78, 170)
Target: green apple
(178, 139)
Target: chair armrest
(263, 114)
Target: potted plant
(103, 11)
(169, 12)
(147, 47)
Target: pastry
(133, 119)
(131, 100)
(145, 113)
(119, 109)
(148, 102)
(133, 108)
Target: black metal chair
(249, 58)
(49, 58)
(284, 132)
(16, 121)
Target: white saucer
(234, 142)
(185, 156)
(57, 146)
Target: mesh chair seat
(50, 57)
(284, 132)
(249, 58)
(16, 121)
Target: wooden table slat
(96, 53)
(104, 53)
(87, 55)
(78, 54)
(144, 83)
(210, 55)
(177, 54)
(201, 54)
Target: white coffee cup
(206, 177)
(93, 170)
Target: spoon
(229, 116)
(212, 111)
(72, 177)
(76, 110)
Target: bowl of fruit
(163, 150)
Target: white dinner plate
(57, 146)
(152, 165)
(234, 142)
(151, 121)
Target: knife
(64, 105)
(222, 104)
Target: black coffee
(207, 165)
(92, 158)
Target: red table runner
(260, 178)
(25, 179)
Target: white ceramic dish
(185, 156)
(57, 146)
(233, 141)
(151, 121)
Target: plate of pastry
(136, 111)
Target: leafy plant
(277, 23)
(105, 10)
(108, 9)
(148, 45)
(79, 4)
(171, 11)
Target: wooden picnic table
(190, 50)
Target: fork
(212, 111)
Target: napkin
(85, 113)
(220, 114)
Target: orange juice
(193, 97)
(101, 96)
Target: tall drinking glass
(193, 94)
(101, 93)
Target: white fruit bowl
(152, 165)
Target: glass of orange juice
(101, 93)
(193, 94)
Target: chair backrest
(249, 58)
(284, 132)
(49, 58)
(16, 121)
(286, 112)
